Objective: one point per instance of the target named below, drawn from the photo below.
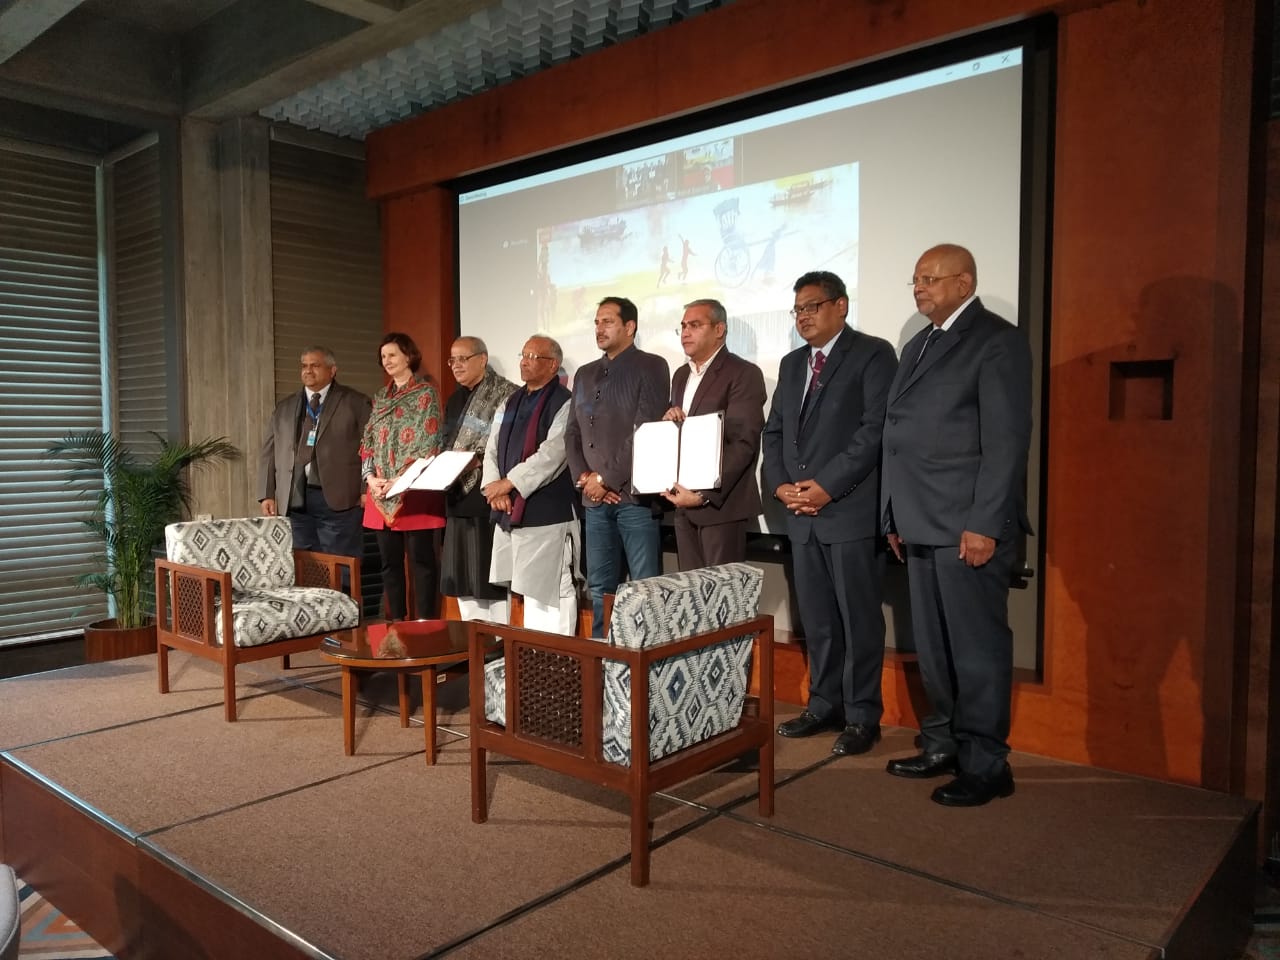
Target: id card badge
(311, 437)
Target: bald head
(946, 276)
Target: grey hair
(555, 347)
(329, 359)
(718, 312)
(474, 344)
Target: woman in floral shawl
(405, 426)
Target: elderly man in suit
(821, 460)
(954, 503)
(711, 525)
(311, 462)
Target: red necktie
(819, 361)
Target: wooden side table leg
(348, 711)
(429, 711)
(402, 678)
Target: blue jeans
(612, 531)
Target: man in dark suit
(955, 456)
(311, 462)
(821, 460)
(711, 525)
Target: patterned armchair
(572, 707)
(235, 591)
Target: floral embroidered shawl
(404, 426)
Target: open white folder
(665, 452)
(433, 473)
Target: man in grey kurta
(526, 482)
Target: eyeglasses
(930, 281)
(809, 309)
(454, 361)
(532, 356)
(693, 325)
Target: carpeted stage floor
(375, 856)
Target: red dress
(404, 426)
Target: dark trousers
(838, 588)
(421, 547)
(960, 622)
(709, 544)
(318, 527)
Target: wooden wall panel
(419, 270)
(1150, 200)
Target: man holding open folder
(711, 525)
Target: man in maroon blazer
(711, 525)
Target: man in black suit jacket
(310, 460)
(955, 456)
(711, 525)
(821, 459)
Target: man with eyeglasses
(821, 460)
(528, 487)
(611, 397)
(956, 436)
(468, 536)
(311, 459)
(711, 525)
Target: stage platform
(169, 834)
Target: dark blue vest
(553, 501)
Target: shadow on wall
(1131, 528)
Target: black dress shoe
(856, 738)
(807, 724)
(967, 790)
(923, 766)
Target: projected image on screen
(743, 246)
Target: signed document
(665, 453)
(433, 473)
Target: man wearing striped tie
(821, 460)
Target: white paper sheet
(664, 451)
(433, 473)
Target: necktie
(819, 361)
(309, 423)
(934, 334)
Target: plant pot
(103, 640)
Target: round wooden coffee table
(410, 646)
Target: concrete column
(227, 302)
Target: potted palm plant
(133, 499)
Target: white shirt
(946, 324)
(695, 379)
(313, 424)
(826, 349)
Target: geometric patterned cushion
(256, 551)
(262, 616)
(693, 696)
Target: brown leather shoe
(923, 766)
(967, 790)
(856, 738)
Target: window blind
(137, 300)
(50, 384)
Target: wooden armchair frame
(570, 741)
(185, 615)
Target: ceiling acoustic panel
(509, 40)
